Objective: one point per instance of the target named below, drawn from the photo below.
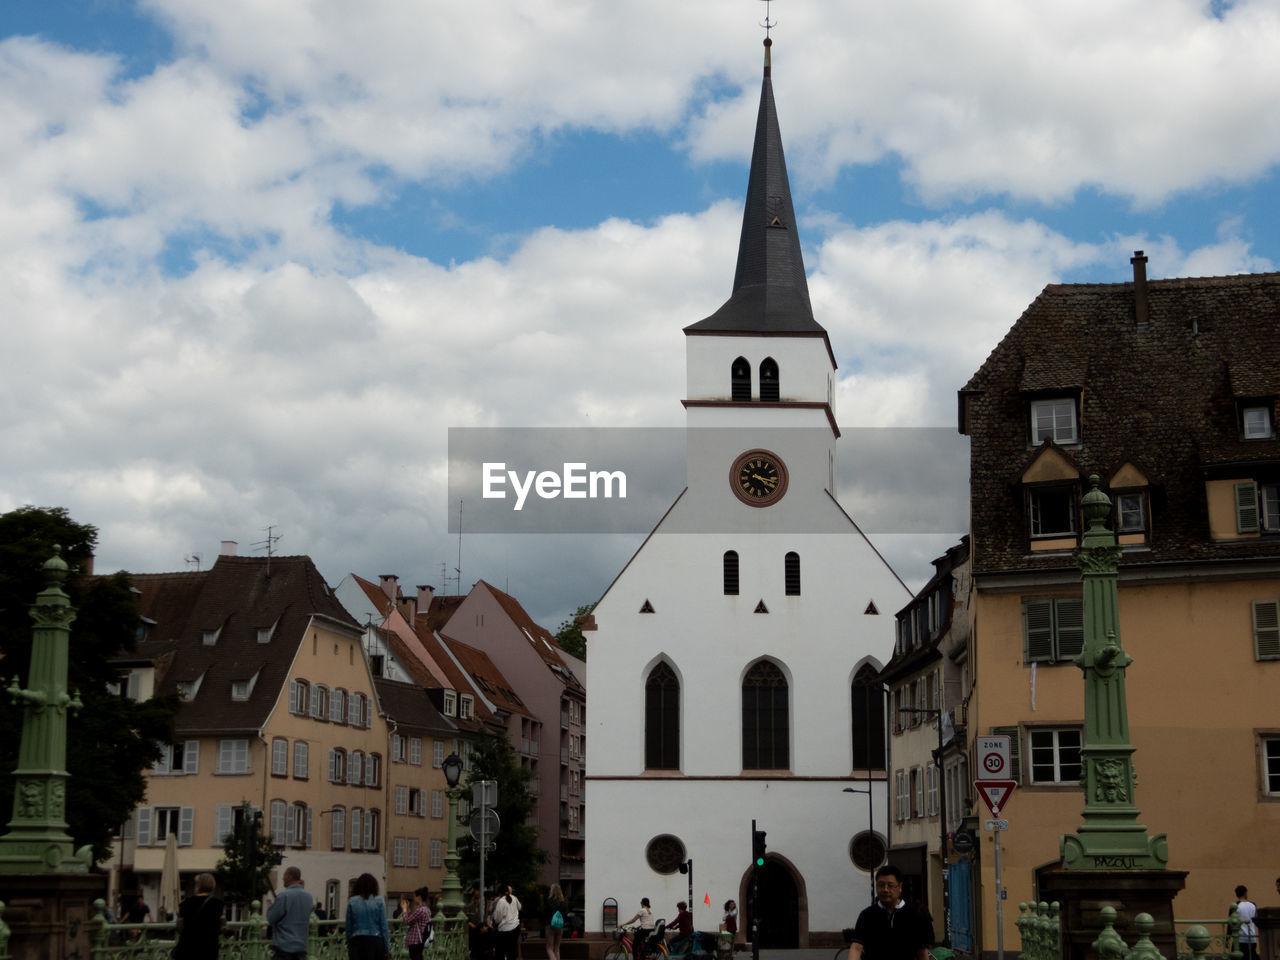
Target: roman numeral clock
(758, 478)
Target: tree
(248, 856)
(120, 737)
(518, 856)
(570, 637)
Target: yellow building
(1167, 390)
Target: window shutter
(1246, 507)
(356, 829)
(1037, 630)
(223, 823)
(144, 826)
(307, 840)
(191, 756)
(186, 826)
(1015, 750)
(1070, 616)
(367, 705)
(290, 826)
(1266, 630)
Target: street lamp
(451, 902)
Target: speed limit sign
(993, 759)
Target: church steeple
(770, 293)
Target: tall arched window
(662, 719)
(740, 376)
(868, 721)
(769, 379)
(791, 574)
(765, 731)
(731, 573)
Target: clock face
(758, 477)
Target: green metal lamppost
(37, 841)
(451, 902)
(1111, 838)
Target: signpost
(993, 757)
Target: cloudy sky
(256, 258)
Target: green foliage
(518, 856)
(570, 637)
(248, 856)
(118, 735)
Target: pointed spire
(770, 293)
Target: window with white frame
(298, 696)
(436, 853)
(354, 708)
(402, 800)
(1055, 754)
(437, 753)
(1269, 754)
(450, 703)
(397, 748)
(1052, 511)
(319, 702)
(416, 807)
(279, 757)
(1257, 507)
(178, 758)
(415, 751)
(233, 756)
(155, 824)
(371, 820)
(279, 822)
(240, 689)
(301, 757)
(1255, 420)
(397, 852)
(337, 705)
(411, 852)
(298, 826)
(355, 767)
(917, 792)
(437, 804)
(337, 765)
(1054, 419)
(1131, 512)
(466, 705)
(931, 789)
(338, 829)
(372, 770)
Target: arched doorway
(784, 908)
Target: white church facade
(730, 660)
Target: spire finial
(768, 24)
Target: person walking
(417, 922)
(556, 907)
(199, 922)
(290, 918)
(506, 924)
(368, 934)
(889, 929)
(1247, 911)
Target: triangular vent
(871, 610)
(647, 607)
(761, 608)
(777, 224)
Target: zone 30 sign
(993, 759)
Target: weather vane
(768, 24)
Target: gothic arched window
(662, 719)
(740, 378)
(769, 379)
(868, 721)
(765, 728)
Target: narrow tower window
(768, 379)
(731, 573)
(791, 574)
(741, 379)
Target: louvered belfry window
(662, 719)
(765, 729)
(731, 573)
(791, 574)
(740, 380)
(769, 379)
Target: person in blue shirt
(368, 935)
(290, 918)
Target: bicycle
(654, 949)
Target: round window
(665, 853)
(867, 850)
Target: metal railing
(249, 939)
(1040, 928)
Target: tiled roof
(408, 707)
(441, 609)
(491, 681)
(542, 640)
(237, 597)
(1162, 395)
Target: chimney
(426, 594)
(86, 568)
(229, 548)
(1139, 288)
(390, 585)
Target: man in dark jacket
(889, 929)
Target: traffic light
(757, 847)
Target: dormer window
(210, 637)
(1255, 421)
(1055, 420)
(1053, 511)
(240, 689)
(450, 703)
(465, 706)
(265, 633)
(1131, 512)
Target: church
(731, 661)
